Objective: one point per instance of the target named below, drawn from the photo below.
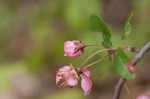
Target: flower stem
(97, 61)
(100, 45)
(92, 55)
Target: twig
(136, 59)
(132, 49)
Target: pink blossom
(66, 76)
(144, 96)
(86, 82)
(73, 48)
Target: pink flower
(66, 76)
(86, 82)
(73, 48)
(144, 96)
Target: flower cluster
(68, 76)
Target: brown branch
(135, 60)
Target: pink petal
(144, 96)
(86, 85)
(58, 78)
(72, 82)
(87, 72)
(65, 69)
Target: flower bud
(73, 48)
(86, 82)
(130, 67)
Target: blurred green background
(32, 34)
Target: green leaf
(97, 24)
(127, 27)
(120, 61)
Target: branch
(136, 59)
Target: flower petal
(58, 78)
(65, 69)
(86, 85)
(87, 72)
(72, 82)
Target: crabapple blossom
(66, 76)
(69, 76)
(73, 48)
(144, 96)
(86, 82)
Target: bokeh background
(32, 34)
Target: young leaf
(97, 24)
(127, 27)
(120, 62)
